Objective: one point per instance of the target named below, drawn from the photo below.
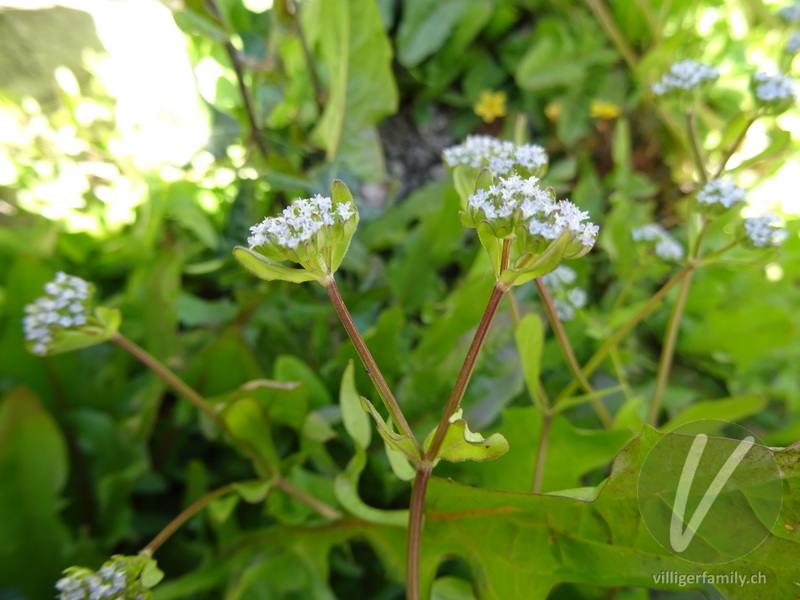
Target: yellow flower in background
(603, 110)
(553, 111)
(491, 105)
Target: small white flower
(299, 222)
(793, 45)
(502, 157)
(63, 307)
(516, 201)
(685, 75)
(666, 246)
(790, 13)
(722, 192)
(765, 230)
(773, 87)
(560, 277)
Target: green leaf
(33, 472)
(401, 443)
(151, 574)
(254, 491)
(530, 343)
(248, 424)
(464, 182)
(222, 508)
(345, 486)
(362, 90)
(425, 28)
(262, 268)
(727, 409)
(356, 421)
(461, 444)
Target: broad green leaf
(452, 588)
(356, 421)
(461, 444)
(764, 325)
(425, 28)
(254, 491)
(396, 441)
(151, 574)
(262, 268)
(345, 486)
(248, 424)
(291, 368)
(362, 90)
(572, 453)
(220, 509)
(33, 471)
(530, 342)
(600, 543)
(727, 409)
(464, 182)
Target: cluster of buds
(665, 245)
(775, 91)
(121, 578)
(719, 195)
(502, 157)
(764, 231)
(684, 76)
(314, 233)
(63, 306)
(518, 212)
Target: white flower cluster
(565, 299)
(666, 246)
(299, 222)
(685, 75)
(722, 192)
(765, 230)
(773, 87)
(793, 45)
(63, 306)
(790, 13)
(110, 581)
(502, 157)
(541, 214)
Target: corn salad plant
(551, 380)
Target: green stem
(200, 403)
(416, 516)
(569, 355)
(369, 363)
(184, 516)
(238, 69)
(667, 352)
(694, 144)
(598, 357)
(466, 371)
(733, 149)
(607, 23)
(541, 453)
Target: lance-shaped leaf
(401, 443)
(263, 269)
(462, 444)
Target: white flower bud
(502, 157)
(685, 75)
(63, 307)
(665, 245)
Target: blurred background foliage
(137, 153)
